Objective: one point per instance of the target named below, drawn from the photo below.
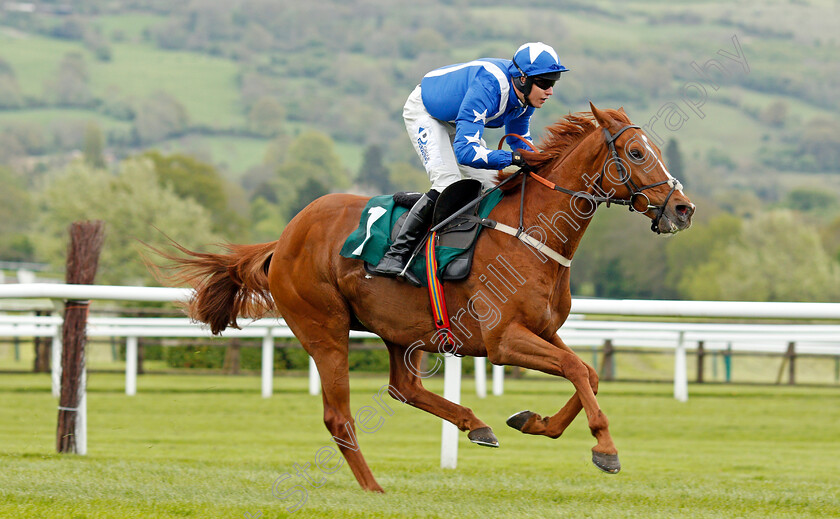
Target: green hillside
(631, 54)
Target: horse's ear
(604, 120)
(621, 109)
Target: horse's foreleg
(521, 347)
(554, 426)
(410, 387)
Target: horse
(510, 307)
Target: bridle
(624, 176)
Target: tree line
(787, 251)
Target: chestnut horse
(510, 308)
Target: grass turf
(208, 446)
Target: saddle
(455, 241)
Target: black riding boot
(413, 229)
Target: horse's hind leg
(333, 367)
(409, 385)
(325, 335)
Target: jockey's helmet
(535, 60)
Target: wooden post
(701, 355)
(714, 365)
(42, 350)
(837, 369)
(232, 357)
(727, 362)
(608, 362)
(791, 355)
(789, 361)
(86, 240)
(141, 354)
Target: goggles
(543, 83)
(546, 81)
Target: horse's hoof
(607, 462)
(518, 420)
(483, 436)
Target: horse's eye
(636, 155)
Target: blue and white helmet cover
(535, 59)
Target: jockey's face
(538, 96)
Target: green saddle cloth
(372, 238)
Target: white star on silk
(535, 49)
(475, 139)
(481, 153)
(482, 117)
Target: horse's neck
(550, 215)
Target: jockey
(445, 117)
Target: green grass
(190, 446)
(233, 155)
(45, 116)
(205, 85)
(34, 58)
(131, 25)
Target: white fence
(774, 338)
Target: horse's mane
(561, 138)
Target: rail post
(498, 380)
(86, 239)
(791, 355)
(480, 377)
(701, 355)
(131, 366)
(314, 378)
(608, 363)
(451, 392)
(268, 363)
(727, 362)
(680, 375)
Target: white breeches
(432, 140)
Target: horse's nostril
(685, 210)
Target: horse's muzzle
(675, 218)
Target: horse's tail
(226, 285)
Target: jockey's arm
(519, 126)
(479, 104)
